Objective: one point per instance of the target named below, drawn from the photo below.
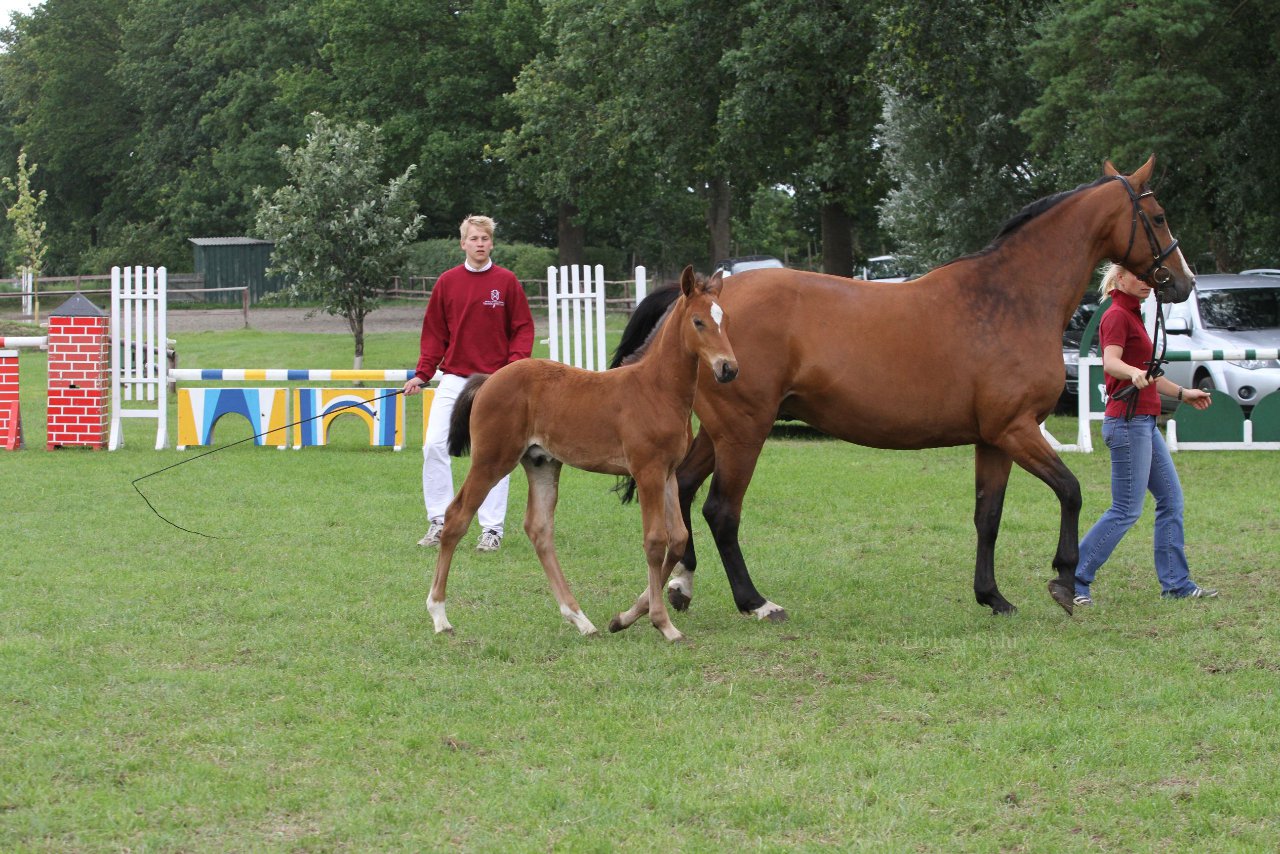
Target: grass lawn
(280, 688)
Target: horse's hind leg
(693, 471)
(457, 518)
(992, 477)
(539, 524)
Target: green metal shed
(232, 262)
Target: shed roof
(227, 241)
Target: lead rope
(1155, 366)
(333, 411)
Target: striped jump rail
(1222, 355)
(287, 375)
(13, 341)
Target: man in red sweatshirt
(477, 320)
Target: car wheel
(1204, 381)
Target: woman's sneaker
(1081, 600)
(432, 537)
(1197, 592)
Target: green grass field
(280, 688)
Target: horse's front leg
(539, 524)
(1029, 449)
(992, 477)
(723, 511)
(690, 475)
(664, 535)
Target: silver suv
(1228, 312)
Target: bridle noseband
(1157, 274)
(1161, 281)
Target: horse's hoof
(616, 625)
(769, 612)
(1063, 595)
(677, 599)
(1005, 610)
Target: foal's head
(701, 323)
(1141, 241)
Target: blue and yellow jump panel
(200, 408)
(314, 409)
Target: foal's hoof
(1063, 595)
(678, 599)
(616, 625)
(1006, 609)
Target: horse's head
(1142, 242)
(702, 324)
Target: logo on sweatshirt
(494, 300)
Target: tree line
(671, 131)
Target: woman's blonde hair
(484, 223)
(1110, 277)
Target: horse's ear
(688, 281)
(714, 284)
(1143, 175)
(1109, 170)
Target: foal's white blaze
(579, 620)
(436, 610)
(717, 314)
(682, 580)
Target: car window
(1080, 319)
(1252, 308)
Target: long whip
(333, 411)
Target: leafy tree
(954, 85)
(432, 75)
(1198, 83)
(211, 81)
(66, 110)
(802, 113)
(28, 228)
(339, 232)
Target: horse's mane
(638, 354)
(644, 324)
(1024, 216)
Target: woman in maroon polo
(1140, 459)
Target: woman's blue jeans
(1140, 462)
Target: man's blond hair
(484, 223)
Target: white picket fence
(139, 345)
(575, 314)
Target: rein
(1157, 274)
(336, 409)
(1160, 278)
(1155, 365)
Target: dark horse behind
(975, 346)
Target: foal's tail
(460, 420)
(644, 320)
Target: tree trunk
(571, 237)
(837, 240)
(719, 196)
(356, 321)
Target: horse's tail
(460, 420)
(644, 320)
(625, 489)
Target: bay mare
(634, 420)
(969, 353)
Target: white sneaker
(489, 541)
(432, 537)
